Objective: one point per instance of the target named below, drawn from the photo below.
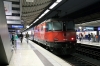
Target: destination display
(98, 28)
(17, 26)
(89, 28)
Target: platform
(87, 42)
(31, 54)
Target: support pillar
(5, 43)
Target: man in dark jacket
(21, 37)
(12, 38)
(27, 36)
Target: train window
(49, 26)
(57, 26)
(42, 28)
(70, 26)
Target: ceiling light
(41, 16)
(35, 20)
(29, 0)
(80, 27)
(27, 26)
(46, 11)
(52, 6)
(58, 0)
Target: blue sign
(98, 28)
(89, 28)
(17, 26)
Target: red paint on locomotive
(52, 38)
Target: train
(56, 35)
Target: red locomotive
(56, 35)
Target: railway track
(84, 56)
(89, 51)
(81, 60)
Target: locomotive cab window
(57, 26)
(49, 26)
(70, 26)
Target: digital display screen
(17, 26)
(89, 28)
(98, 28)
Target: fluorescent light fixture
(29, 0)
(27, 26)
(36, 20)
(31, 24)
(41, 16)
(53, 5)
(58, 0)
(46, 11)
(80, 27)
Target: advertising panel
(8, 7)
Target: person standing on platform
(12, 39)
(27, 36)
(92, 37)
(80, 36)
(89, 37)
(21, 37)
(15, 38)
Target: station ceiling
(31, 9)
(78, 11)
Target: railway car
(56, 35)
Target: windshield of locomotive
(49, 26)
(54, 26)
(70, 26)
(57, 26)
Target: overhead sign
(89, 28)
(17, 26)
(99, 28)
(8, 7)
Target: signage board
(89, 28)
(8, 7)
(99, 28)
(17, 26)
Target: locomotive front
(60, 36)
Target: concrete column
(5, 43)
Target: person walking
(15, 40)
(21, 37)
(92, 37)
(12, 39)
(89, 37)
(80, 36)
(27, 36)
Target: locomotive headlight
(72, 38)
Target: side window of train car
(57, 26)
(49, 26)
(70, 26)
